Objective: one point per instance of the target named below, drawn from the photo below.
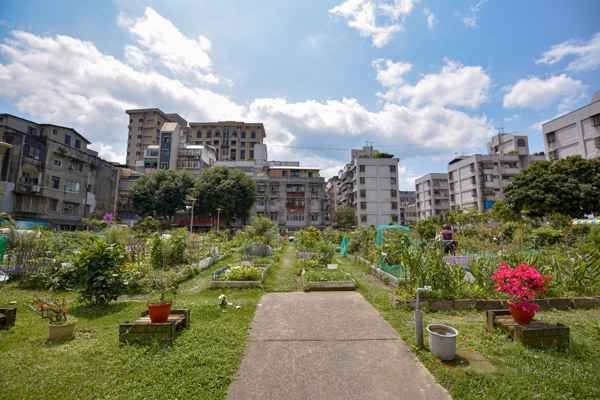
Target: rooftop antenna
(500, 129)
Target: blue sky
(424, 80)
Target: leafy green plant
(54, 309)
(242, 273)
(101, 263)
(325, 275)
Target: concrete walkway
(328, 345)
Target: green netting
(344, 246)
(382, 228)
(397, 270)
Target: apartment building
(50, 177)
(575, 133)
(478, 181)
(175, 153)
(331, 188)
(407, 200)
(232, 140)
(369, 184)
(127, 177)
(432, 195)
(144, 130)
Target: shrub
(546, 235)
(242, 273)
(308, 239)
(101, 263)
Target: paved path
(328, 345)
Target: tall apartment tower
(369, 184)
(235, 141)
(575, 133)
(478, 181)
(144, 130)
(432, 195)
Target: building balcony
(26, 188)
(296, 194)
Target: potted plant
(159, 311)
(522, 283)
(60, 325)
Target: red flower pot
(159, 313)
(521, 315)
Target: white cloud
(431, 18)
(454, 85)
(586, 55)
(390, 73)
(537, 93)
(67, 81)
(177, 52)
(362, 15)
(472, 19)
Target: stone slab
(318, 316)
(328, 345)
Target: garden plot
(239, 276)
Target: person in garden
(447, 236)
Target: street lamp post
(219, 217)
(193, 200)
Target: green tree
(162, 193)
(570, 186)
(228, 189)
(345, 217)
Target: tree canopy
(345, 217)
(570, 186)
(228, 189)
(162, 193)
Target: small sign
(331, 266)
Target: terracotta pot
(159, 313)
(61, 331)
(521, 316)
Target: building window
(393, 181)
(394, 218)
(199, 134)
(242, 154)
(164, 165)
(252, 154)
(363, 218)
(253, 135)
(361, 168)
(521, 142)
(393, 193)
(71, 187)
(77, 143)
(596, 120)
(243, 135)
(314, 217)
(55, 182)
(363, 193)
(209, 134)
(392, 168)
(57, 163)
(394, 205)
(363, 205)
(362, 180)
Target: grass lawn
(283, 276)
(520, 373)
(200, 365)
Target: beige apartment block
(234, 141)
(432, 197)
(574, 134)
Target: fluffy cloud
(431, 18)
(161, 38)
(586, 55)
(65, 80)
(362, 15)
(537, 93)
(455, 85)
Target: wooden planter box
(536, 334)
(8, 316)
(142, 330)
(216, 283)
(321, 286)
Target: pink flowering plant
(522, 283)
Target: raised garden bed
(142, 330)
(8, 316)
(326, 280)
(558, 303)
(216, 282)
(537, 334)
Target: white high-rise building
(574, 134)
(432, 195)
